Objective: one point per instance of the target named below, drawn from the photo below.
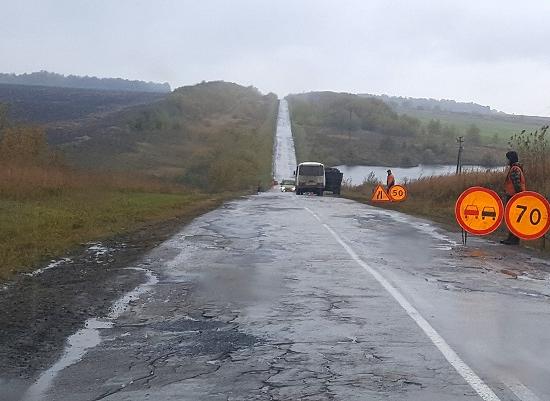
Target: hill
(342, 128)
(433, 104)
(50, 105)
(495, 126)
(212, 136)
(45, 78)
(150, 165)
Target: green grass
(339, 128)
(142, 165)
(503, 127)
(213, 136)
(33, 231)
(346, 129)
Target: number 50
(397, 192)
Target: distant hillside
(50, 105)
(45, 78)
(212, 136)
(433, 104)
(495, 127)
(342, 128)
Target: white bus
(310, 177)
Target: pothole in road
(206, 337)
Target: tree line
(433, 104)
(46, 78)
(341, 128)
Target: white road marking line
(519, 389)
(482, 389)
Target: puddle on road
(96, 249)
(53, 264)
(76, 348)
(445, 242)
(433, 232)
(88, 337)
(122, 304)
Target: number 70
(534, 216)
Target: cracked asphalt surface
(257, 301)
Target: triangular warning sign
(380, 195)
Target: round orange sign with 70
(527, 215)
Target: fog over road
(285, 297)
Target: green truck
(333, 180)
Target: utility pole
(460, 141)
(350, 148)
(349, 125)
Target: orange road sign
(527, 215)
(398, 193)
(380, 195)
(479, 210)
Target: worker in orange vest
(390, 181)
(513, 184)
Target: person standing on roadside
(390, 181)
(514, 183)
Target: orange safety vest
(390, 181)
(509, 185)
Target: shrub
(534, 152)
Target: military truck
(333, 180)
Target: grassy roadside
(431, 197)
(434, 198)
(36, 230)
(139, 168)
(47, 211)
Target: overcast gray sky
(493, 52)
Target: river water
(357, 174)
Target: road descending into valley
(283, 297)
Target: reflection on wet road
(268, 298)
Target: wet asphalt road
(258, 301)
(285, 297)
(284, 158)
